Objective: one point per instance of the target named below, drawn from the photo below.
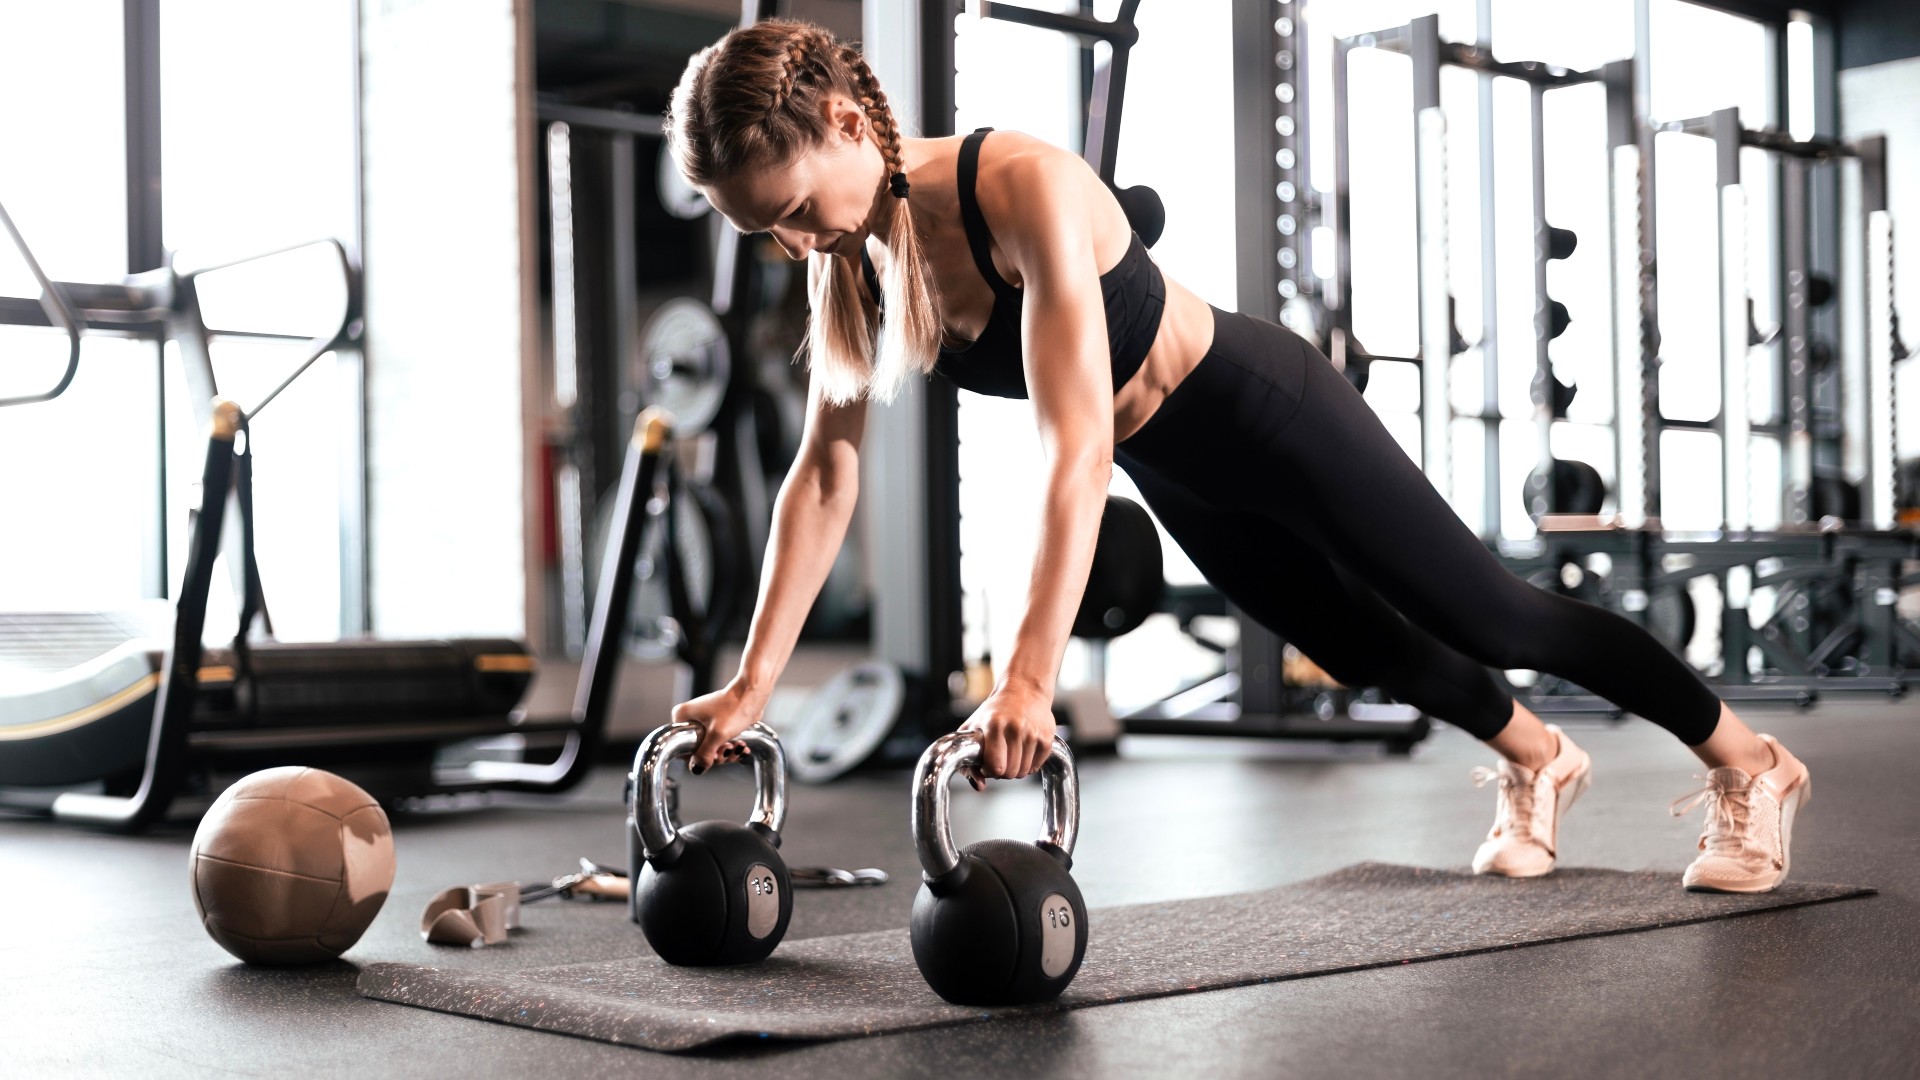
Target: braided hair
(753, 100)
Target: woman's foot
(1526, 823)
(1745, 846)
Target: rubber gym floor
(107, 972)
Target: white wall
(446, 445)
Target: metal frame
(1275, 208)
(1490, 517)
(53, 305)
(945, 656)
(1273, 198)
(1848, 578)
(145, 247)
(1420, 41)
(1108, 96)
(1865, 642)
(1798, 158)
(1862, 567)
(1884, 347)
(171, 743)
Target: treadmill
(133, 702)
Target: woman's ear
(847, 119)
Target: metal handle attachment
(60, 314)
(659, 835)
(933, 824)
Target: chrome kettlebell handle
(933, 823)
(659, 834)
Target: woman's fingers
(707, 754)
(1013, 753)
(993, 751)
(716, 747)
(1037, 755)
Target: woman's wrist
(747, 687)
(1033, 684)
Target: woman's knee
(1442, 683)
(1518, 626)
(1404, 664)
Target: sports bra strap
(976, 223)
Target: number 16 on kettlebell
(1002, 922)
(713, 892)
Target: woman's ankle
(1525, 741)
(1734, 745)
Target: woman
(1004, 264)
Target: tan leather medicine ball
(290, 866)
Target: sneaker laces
(1729, 814)
(1516, 798)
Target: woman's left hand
(1016, 733)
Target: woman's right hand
(723, 714)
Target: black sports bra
(1134, 290)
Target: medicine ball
(290, 865)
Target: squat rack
(1439, 337)
(1803, 288)
(1850, 580)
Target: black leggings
(1288, 493)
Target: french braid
(755, 100)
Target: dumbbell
(1002, 922)
(713, 892)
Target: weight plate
(649, 635)
(1127, 579)
(678, 197)
(844, 722)
(1576, 488)
(684, 364)
(1671, 618)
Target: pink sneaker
(1746, 844)
(1526, 823)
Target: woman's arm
(810, 519)
(1046, 231)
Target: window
(1027, 79)
(63, 178)
(255, 134)
(247, 173)
(80, 488)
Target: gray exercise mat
(1366, 915)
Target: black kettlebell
(714, 892)
(1002, 922)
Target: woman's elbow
(1092, 465)
(827, 475)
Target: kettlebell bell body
(714, 892)
(1002, 922)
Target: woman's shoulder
(1009, 147)
(1021, 168)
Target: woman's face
(821, 200)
